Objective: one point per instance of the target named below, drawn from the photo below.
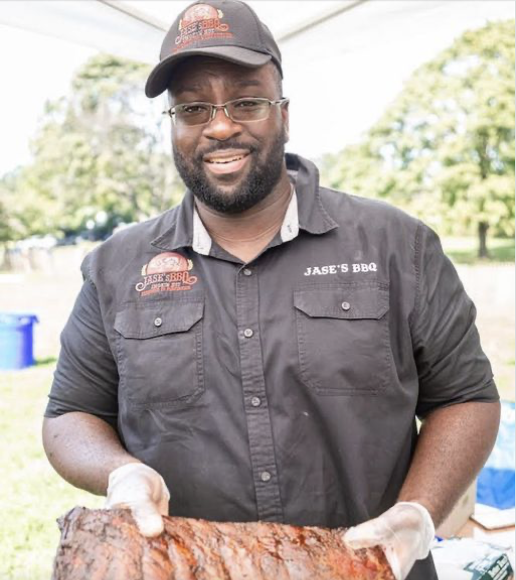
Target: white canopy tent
(355, 54)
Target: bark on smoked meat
(106, 545)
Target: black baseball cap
(225, 29)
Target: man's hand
(141, 489)
(405, 532)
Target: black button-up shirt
(284, 389)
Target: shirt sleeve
(452, 367)
(86, 377)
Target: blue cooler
(16, 340)
(495, 486)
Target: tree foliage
(444, 150)
(98, 157)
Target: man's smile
(227, 161)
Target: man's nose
(221, 127)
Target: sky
(27, 83)
(361, 62)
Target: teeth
(221, 161)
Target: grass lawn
(33, 495)
(465, 250)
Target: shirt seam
(88, 273)
(417, 276)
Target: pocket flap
(351, 301)
(158, 320)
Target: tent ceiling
(343, 60)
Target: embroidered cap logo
(200, 23)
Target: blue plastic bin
(16, 340)
(495, 485)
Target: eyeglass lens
(243, 110)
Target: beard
(261, 179)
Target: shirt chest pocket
(343, 338)
(160, 355)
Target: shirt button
(265, 476)
(158, 322)
(248, 332)
(346, 306)
(256, 401)
(247, 272)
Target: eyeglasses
(247, 110)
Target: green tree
(444, 149)
(5, 229)
(10, 226)
(98, 156)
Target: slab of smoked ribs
(106, 545)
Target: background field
(33, 496)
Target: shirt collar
(289, 229)
(305, 211)
(201, 238)
(313, 217)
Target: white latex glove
(141, 489)
(405, 532)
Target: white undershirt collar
(202, 241)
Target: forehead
(198, 73)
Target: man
(262, 350)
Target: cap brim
(160, 77)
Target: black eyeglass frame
(214, 108)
